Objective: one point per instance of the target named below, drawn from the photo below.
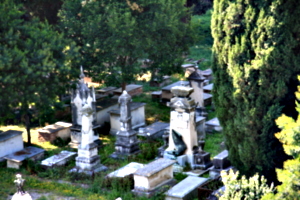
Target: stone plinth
(19, 196)
(54, 131)
(166, 94)
(137, 120)
(131, 89)
(202, 161)
(76, 136)
(15, 160)
(151, 178)
(208, 88)
(88, 160)
(57, 160)
(10, 142)
(125, 171)
(186, 189)
(154, 130)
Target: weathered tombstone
(81, 95)
(152, 178)
(88, 160)
(21, 194)
(137, 110)
(185, 189)
(58, 160)
(54, 131)
(15, 160)
(183, 136)
(125, 171)
(126, 137)
(167, 94)
(10, 141)
(196, 82)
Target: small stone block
(207, 99)
(154, 167)
(208, 88)
(186, 189)
(59, 159)
(221, 161)
(154, 130)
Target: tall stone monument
(88, 160)
(80, 96)
(126, 137)
(183, 139)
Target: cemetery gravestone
(126, 137)
(152, 178)
(54, 131)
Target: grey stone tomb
(80, 96)
(57, 160)
(88, 160)
(186, 189)
(126, 137)
(152, 178)
(10, 142)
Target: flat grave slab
(150, 179)
(127, 170)
(154, 130)
(221, 161)
(54, 131)
(186, 189)
(15, 160)
(57, 160)
(208, 88)
(10, 142)
(131, 89)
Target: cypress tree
(255, 62)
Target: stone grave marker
(58, 160)
(152, 178)
(15, 160)
(10, 141)
(166, 94)
(88, 160)
(185, 189)
(54, 131)
(208, 88)
(127, 170)
(126, 137)
(137, 110)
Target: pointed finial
(81, 73)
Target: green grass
(212, 143)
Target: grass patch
(212, 143)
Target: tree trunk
(27, 123)
(123, 85)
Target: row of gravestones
(182, 140)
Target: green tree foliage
(199, 6)
(256, 57)
(115, 35)
(237, 188)
(290, 174)
(33, 71)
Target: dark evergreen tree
(33, 67)
(256, 59)
(115, 35)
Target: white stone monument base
(57, 160)
(19, 196)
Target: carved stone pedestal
(88, 160)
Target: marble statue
(87, 125)
(125, 113)
(19, 183)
